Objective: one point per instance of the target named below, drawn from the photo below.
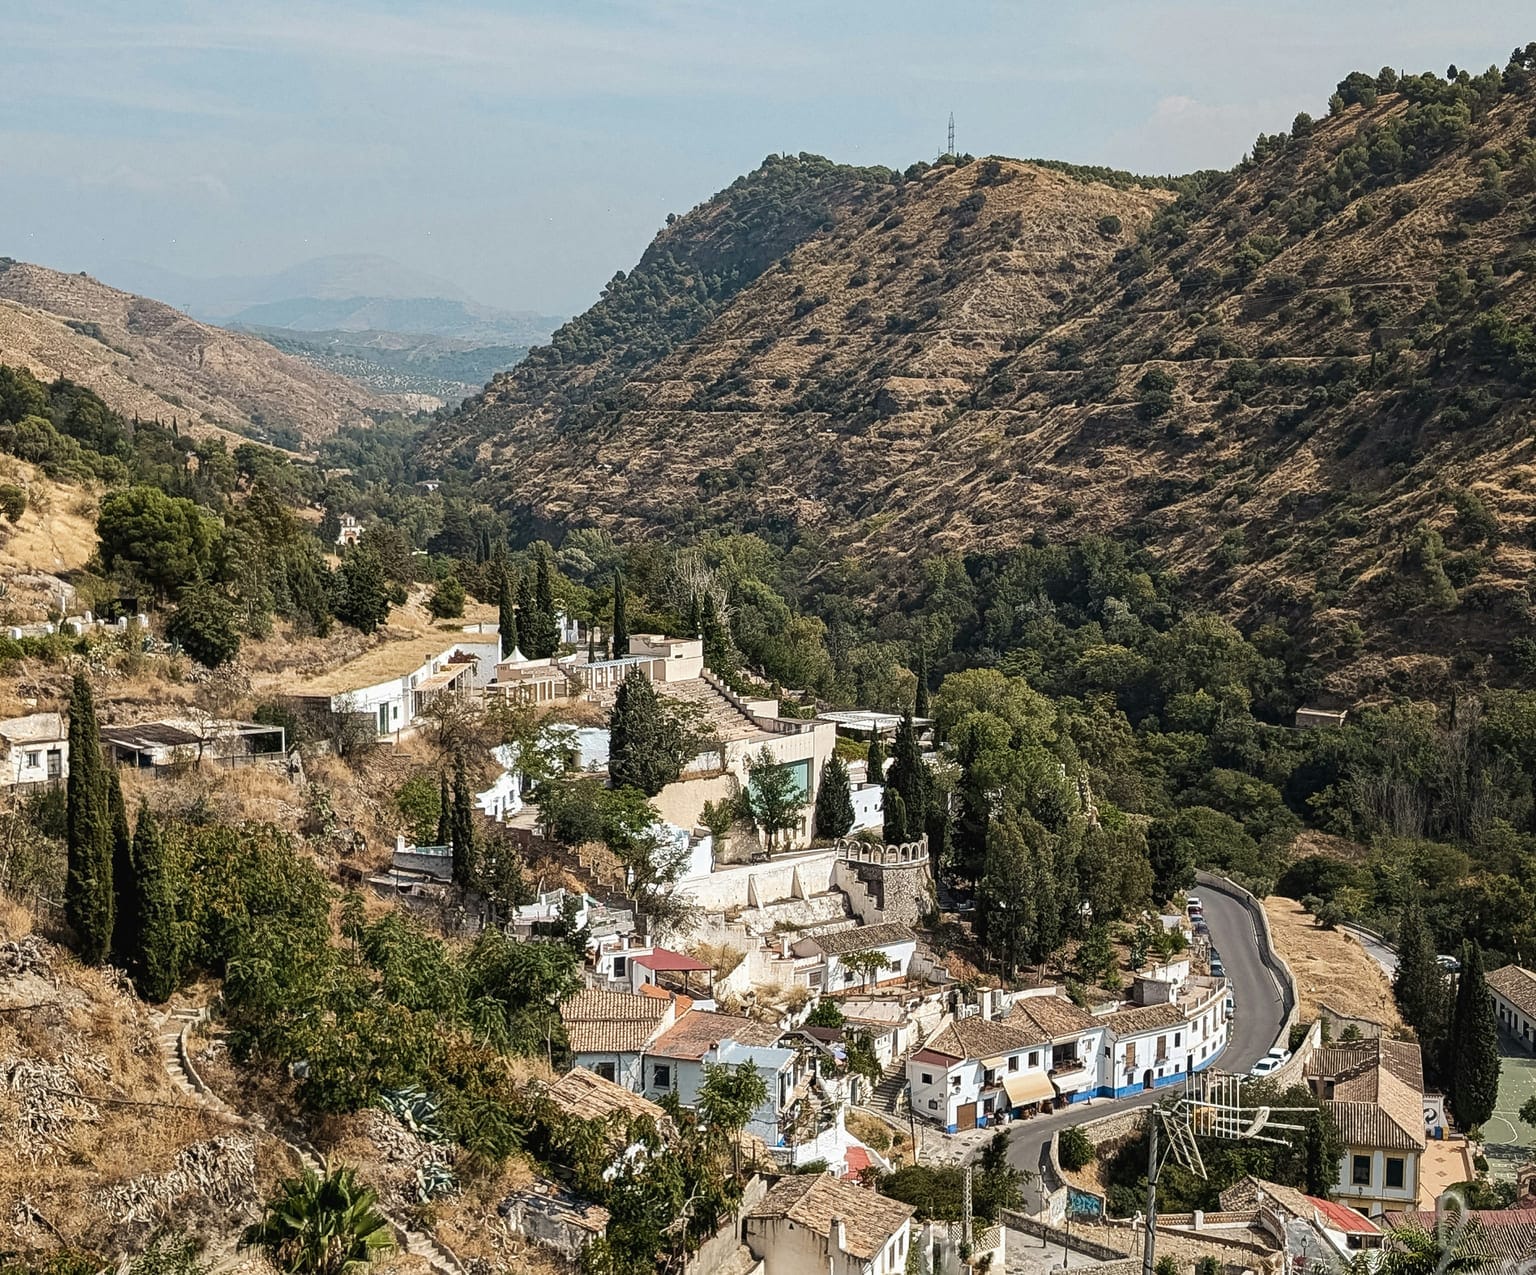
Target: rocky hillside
(148, 360)
(1302, 382)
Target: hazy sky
(527, 151)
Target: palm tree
(322, 1225)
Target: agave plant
(434, 1178)
(322, 1225)
(416, 1110)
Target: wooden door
(965, 1116)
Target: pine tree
(444, 811)
(920, 702)
(620, 617)
(125, 882)
(88, 898)
(462, 827)
(506, 612)
(1419, 985)
(1473, 1045)
(641, 744)
(157, 963)
(834, 800)
(895, 817)
(874, 759)
(909, 776)
(362, 590)
(545, 628)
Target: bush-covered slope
(1302, 383)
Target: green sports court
(1508, 1139)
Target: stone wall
(886, 883)
(747, 885)
(723, 1248)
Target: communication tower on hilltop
(951, 149)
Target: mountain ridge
(1299, 380)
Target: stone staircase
(173, 1028)
(893, 1084)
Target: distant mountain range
(146, 359)
(392, 328)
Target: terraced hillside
(1302, 383)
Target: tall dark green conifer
(157, 964)
(462, 827)
(506, 613)
(1420, 986)
(620, 617)
(834, 800)
(640, 741)
(920, 702)
(544, 629)
(895, 811)
(909, 776)
(88, 900)
(874, 759)
(527, 608)
(125, 883)
(1473, 1045)
(444, 811)
(717, 642)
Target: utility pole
(1148, 1251)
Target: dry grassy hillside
(1272, 383)
(148, 360)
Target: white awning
(1027, 1087)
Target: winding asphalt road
(1257, 1018)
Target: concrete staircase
(893, 1084)
(173, 1027)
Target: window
(1034, 1059)
(1130, 1053)
(661, 1075)
(1013, 1062)
(1360, 1170)
(1394, 1171)
(34, 759)
(927, 1077)
(620, 966)
(605, 1070)
(1177, 1036)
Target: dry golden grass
(57, 532)
(1330, 967)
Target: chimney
(839, 1236)
(986, 1004)
(399, 843)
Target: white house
(815, 1222)
(1075, 1039)
(350, 531)
(392, 683)
(1514, 1003)
(36, 749)
(976, 1069)
(895, 942)
(1374, 1089)
(1155, 1045)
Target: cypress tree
(620, 617)
(920, 702)
(640, 752)
(717, 643)
(695, 615)
(875, 759)
(1473, 1045)
(88, 832)
(462, 827)
(834, 800)
(895, 817)
(444, 811)
(125, 883)
(157, 963)
(909, 776)
(544, 630)
(527, 617)
(1419, 985)
(506, 613)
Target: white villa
(814, 1222)
(36, 749)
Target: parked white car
(1264, 1066)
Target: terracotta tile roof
(1145, 1018)
(1344, 1061)
(861, 938)
(1500, 1234)
(1376, 1109)
(813, 1200)
(588, 1096)
(663, 959)
(699, 1031)
(1053, 1015)
(980, 1038)
(599, 1022)
(1517, 986)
